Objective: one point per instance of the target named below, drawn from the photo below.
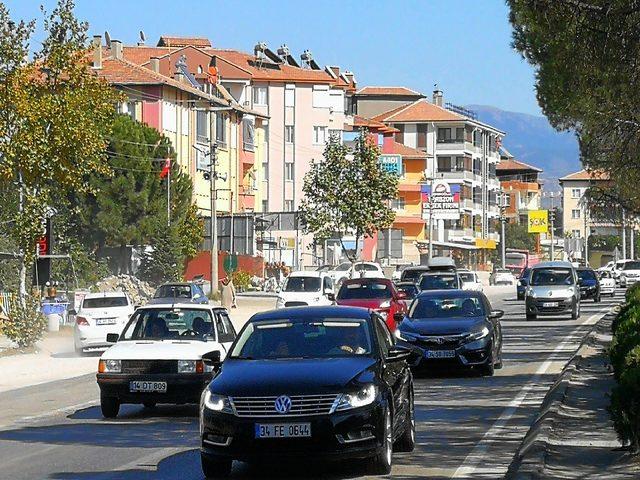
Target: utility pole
(631, 245)
(169, 195)
(502, 203)
(431, 216)
(624, 235)
(214, 215)
(552, 218)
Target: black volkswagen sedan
(326, 382)
(455, 327)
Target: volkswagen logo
(282, 404)
(438, 340)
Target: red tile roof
(402, 91)
(407, 152)
(373, 125)
(419, 111)
(586, 175)
(169, 41)
(142, 54)
(513, 164)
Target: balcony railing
(451, 140)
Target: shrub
(26, 323)
(241, 280)
(625, 407)
(633, 294)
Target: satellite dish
(143, 37)
(107, 38)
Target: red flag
(165, 168)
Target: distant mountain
(534, 141)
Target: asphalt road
(468, 426)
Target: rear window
(302, 284)
(551, 276)
(631, 266)
(467, 277)
(586, 274)
(412, 275)
(439, 282)
(364, 290)
(409, 290)
(105, 302)
(173, 291)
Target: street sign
(538, 221)
(230, 263)
(391, 163)
(443, 203)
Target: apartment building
(521, 183)
(462, 152)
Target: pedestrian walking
(227, 293)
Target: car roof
(176, 284)
(553, 265)
(439, 272)
(193, 306)
(385, 280)
(449, 293)
(584, 269)
(105, 295)
(416, 267)
(303, 313)
(442, 262)
(307, 273)
(406, 284)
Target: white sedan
(607, 283)
(99, 315)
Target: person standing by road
(227, 293)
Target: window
(477, 138)
(319, 135)
(460, 134)
(288, 171)
(444, 164)
(265, 171)
(202, 126)
(289, 134)
(288, 205)
(336, 101)
(128, 108)
(477, 166)
(399, 135)
(398, 203)
(576, 193)
(321, 96)
(575, 233)
(575, 213)
(247, 134)
(265, 205)
(260, 95)
(444, 135)
(169, 114)
(221, 130)
(290, 95)
(226, 333)
(327, 283)
(422, 135)
(384, 337)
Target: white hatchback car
(306, 288)
(470, 280)
(607, 283)
(100, 314)
(165, 354)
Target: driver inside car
(353, 342)
(468, 308)
(156, 328)
(201, 327)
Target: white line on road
(475, 457)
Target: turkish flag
(166, 167)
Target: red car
(377, 294)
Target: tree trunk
(22, 288)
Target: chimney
(179, 75)
(97, 51)
(437, 96)
(349, 76)
(116, 49)
(154, 64)
(335, 70)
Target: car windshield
(551, 276)
(105, 302)
(409, 290)
(310, 338)
(302, 284)
(631, 266)
(438, 282)
(168, 323)
(586, 275)
(446, 307)
(503, 272)
(364, 290)
(173, 291)
(467, 277)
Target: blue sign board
(391, 163)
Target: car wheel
(488, 369)
(149, 404)
(575, 313)
(381, 463)
(215, 467)
(531, 316)
(407, 442)
(110, 406)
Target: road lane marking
(470, 464)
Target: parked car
(607, 268)
(607, 283)
(409, 289)
(502, 276)
(442, 264)
(553, 290)
(412, 274)
(98, 315)
(470, 280)
(617, 269)
(439, 281)
(630, 273)
(162, 354)
(179, 293)
(312, 382)
(306, 288)
(523, 283)
(589, 284)
(453, 328)
(348, 270)
(378, 294)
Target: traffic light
(43, 247)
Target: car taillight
(82, 321)
(199, 366)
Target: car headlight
(217, 403)
(407, 337)
(110, 366)
(364, 396)
(532, 293)
(478, 335)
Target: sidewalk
(573, 437)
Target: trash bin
(54, 312)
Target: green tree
(517, 236)
(585, 54)
(348, 193)
(163, 262)
(54, 116)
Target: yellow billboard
(538, 221)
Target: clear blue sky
(463, 45)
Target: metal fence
(5, 302)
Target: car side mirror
(496, 314)
(402, 296)
(331, 296)
(72, 312)
(112, 337)
(212, 358)
(398, 354)
(327, 291)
